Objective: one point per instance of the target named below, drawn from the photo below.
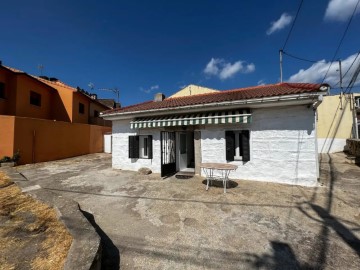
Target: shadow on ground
(110, 253)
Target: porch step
(184, 174)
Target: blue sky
(144, 47)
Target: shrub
(14, 158)
(5, 159)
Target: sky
(146, 47)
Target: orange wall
(65, 98)
(8, 105)
(26, 84)
(78, 117)
(44, 140)
(7, 124)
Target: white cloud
(317, 71)
(340, 10)
(261, 82)
(149, 90)
(212, 67)
(224, 70)
(284, 20)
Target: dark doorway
(168, 153)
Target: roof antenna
(91, 85)
(40, 67)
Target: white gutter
(250, 103)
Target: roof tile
(269, 90)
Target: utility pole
(281, 72)
(341, 88)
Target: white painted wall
(282, 146)
(120, 157)
(107, 143)
(331, 145)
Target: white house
(268, 131)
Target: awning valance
(210, 118)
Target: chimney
(0, 63)
(159, 97)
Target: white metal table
(223, 169)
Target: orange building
(46, 119)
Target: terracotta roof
(269, 90)
(14, 69)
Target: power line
(299, 58)
(353, 80)
(341, 40)
(348, 68)
(292, 26)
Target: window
(96, 113)
(35, 98)
(2, 90)
(81, 108)
(140, 146)
(237, 145)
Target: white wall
(120, 156)
(282, 146)
(331, 145)
(107, 143)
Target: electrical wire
(299, 58)
(353, 80)
(341, 41)
(348, 69)
(292, 26)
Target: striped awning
(211, 118)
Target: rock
(144, 171)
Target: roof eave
(285, 100)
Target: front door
(183, 152)
(168, 154)
(186, 156)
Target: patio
(147, 222)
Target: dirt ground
(31, 237)
(147, 222)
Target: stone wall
(282, 146)
(353, 147)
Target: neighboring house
(81, 107)
(191, 90)
(109, 103)
(268, 131)
(45, 119)
(337, 121)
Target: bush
(14, 158)
(5, 159)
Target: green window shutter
(245, 145)
(230, 145)
(133, 146)
(150, 148)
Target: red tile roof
(269, 90)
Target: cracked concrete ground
(147, 222)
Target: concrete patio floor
(147, 222)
